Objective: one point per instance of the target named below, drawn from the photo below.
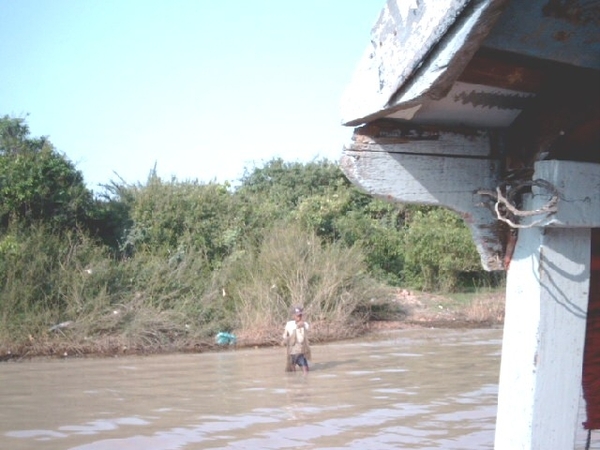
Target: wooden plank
(425, 179)
(452, 182)
(542, 347)
(398, 137)
(416, 49)
(505, 71)
(401, 38)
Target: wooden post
(547, 298)
(544, 333)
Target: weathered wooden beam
(418, 49)
(497, 69)
(433, 167)
(401, 137)
(565, 31)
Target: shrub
(293, 267)
(439, 249)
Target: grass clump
(293, 267)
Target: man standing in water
(295, 337)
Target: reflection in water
(412, 389)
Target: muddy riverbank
(408, 310)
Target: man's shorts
(299, 360)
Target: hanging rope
(506, 195)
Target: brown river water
(409, 389)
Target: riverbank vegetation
(167, 264)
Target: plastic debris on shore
(61, 325)
(224, 338)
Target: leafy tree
(172, 217)
(280, 191)
(287, 184)
(37, 184)
(320, 197)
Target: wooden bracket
(434, 167)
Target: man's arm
(302, 324)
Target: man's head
(298, 312)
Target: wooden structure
(492, 109)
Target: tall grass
(292, 267)
(66, 294)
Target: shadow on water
(328, 365)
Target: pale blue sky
(201, 88)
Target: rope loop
(506, 195)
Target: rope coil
(505, 208)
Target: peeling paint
(562, 36)
(410, 134)
(573, 11)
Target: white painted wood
(401, 38)
(434, 180)
(414, 46)
(448, 59)
(425, 179)
(544, 333)
(578, 184)
(474, 104)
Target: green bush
(439, 250)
